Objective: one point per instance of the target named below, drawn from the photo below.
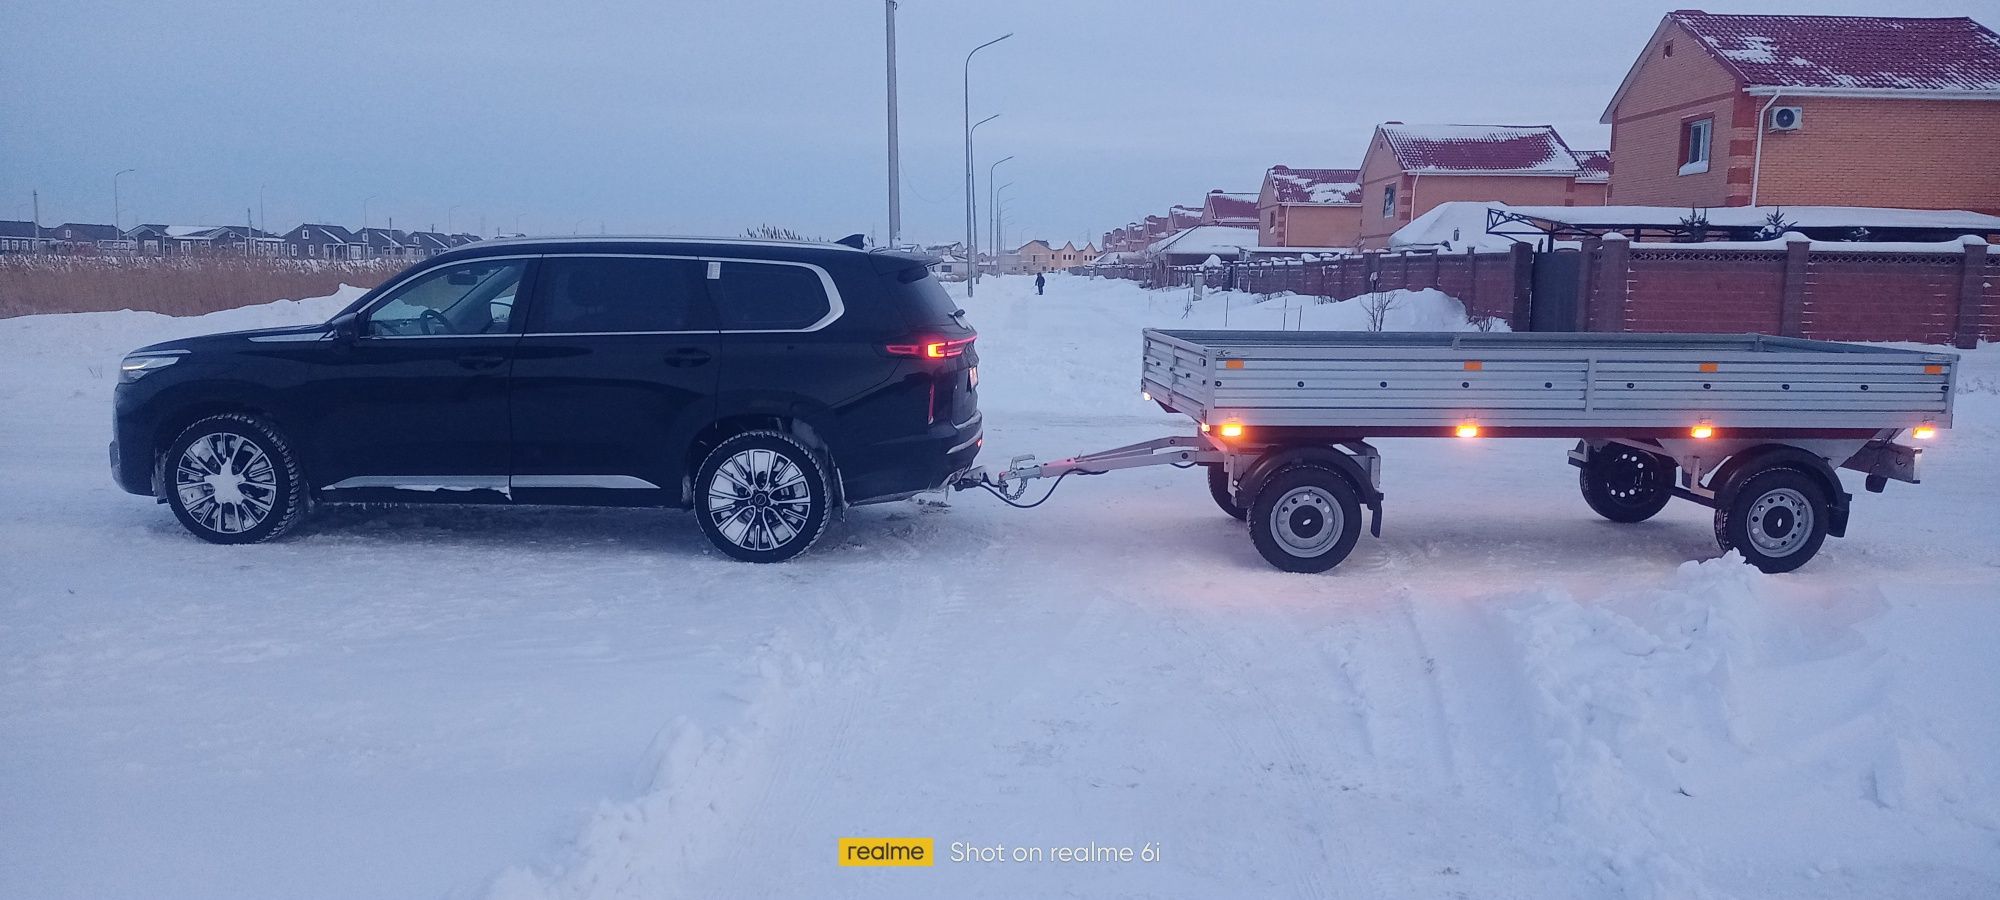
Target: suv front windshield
(469, 298)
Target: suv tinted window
(585, 294)
(472, 298)
(769, 296)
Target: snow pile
(1686, 713)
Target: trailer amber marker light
(1232, 429)
(1468, 429)
(1923, 432)
(1702, 432)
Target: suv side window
(612, 294)
(469, 298)
(769, 296)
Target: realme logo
(878, 851)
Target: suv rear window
(922, 299)
(768, 296)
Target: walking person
(1039, 283)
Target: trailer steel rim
(1780, 522)
(759, 499)
(1307, 521)
(226, 482)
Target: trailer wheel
(1218, 488)
(1777, 519)
(1626, 484)
(1305, 518)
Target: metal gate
(1553, 289)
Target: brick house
(1410, 169)
(1229, 210)
(1309, 208)
(1593, 187)
(1037, 256)
(1726, 110)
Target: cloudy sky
(677, 116)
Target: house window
(1388, 201)
(1695, 140)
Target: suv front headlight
(136, 367)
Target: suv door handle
(688, 357)
(481, 360)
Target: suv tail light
(929, 349)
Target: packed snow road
(1504, 696)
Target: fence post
(1522, 261)
(1792, 299)
(1614, 282)
(1971, 282)
(1471, 281)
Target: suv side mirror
(344, 327)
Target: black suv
(763, 384)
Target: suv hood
(311, 332)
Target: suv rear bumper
(906, 466)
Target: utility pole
(37, 245)
(998, 250)
(895, 149)
(972, 196)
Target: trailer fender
(1276, 458)
(1739, 467)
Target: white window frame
(1389, 201)
(1696, 154)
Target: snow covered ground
(1505, 696)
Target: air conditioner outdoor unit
(1786, 118)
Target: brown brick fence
(1879, 293)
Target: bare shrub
(176, 286)
(1377, 305)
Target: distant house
(23, 237)
(430, 243)
(1197, 244)
(1179, 217)
(82, 237)
(1229, 210)
(1035, 257)
(1309, 208)
(185, 240)
(951, 267)
(386, 243)
(1727, 110)
(1594, 185)
(313, 241)
(1410, 169)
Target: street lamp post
(994, 203)
(974, 209)
(447, 217)
(895, 160)
(115, 204)
(989, 207)
(971, 197)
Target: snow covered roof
(1330, 186)
(1183, 216)
(1205, 240)
(1752, 216)
(1870, 52)
(1222, 206)
(1454, 227)
(1596, 165)
(1480, 149)
(192, 231)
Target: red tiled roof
(1291, 185)
(1222, 206)
(1596, 164)
(1481, 149)
(1851, 52)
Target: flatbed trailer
(1753, 426)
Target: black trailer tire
(1777, 519)
(1626, 484)
(762, 497)
(233, 479)
(1218, 489)
(1305, 518)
